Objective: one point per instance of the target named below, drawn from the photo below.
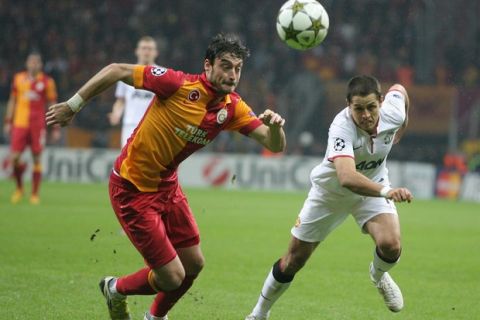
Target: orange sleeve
(51, 90)
(138, 71)
(160, 80)
(244, 120)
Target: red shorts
(155, 222)
(22, 137)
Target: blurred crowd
(77, 38)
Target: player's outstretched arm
(270, 134)
(401, 131)
(356, 182)
(63, 113)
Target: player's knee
(390, 247)
(195, 266)
(170, 281)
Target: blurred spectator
(77, 38)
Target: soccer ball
(302, 24)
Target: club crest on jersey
(158, 71)
(388, 137)
(194, 95)
(39, 86)
(339, 144)
(222, 116)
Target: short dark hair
(34, 53)
(363, 86)
(226, 43)
(147, 39)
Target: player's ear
(137, 51)
(207, 66)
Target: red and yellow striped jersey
(31, 97)
(180, 120)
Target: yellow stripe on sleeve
(138, 76)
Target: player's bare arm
(7, 123)
(270, 134)
(117, 111)
(401, 131)
(63, 113)
(356, 182)
(56, 133)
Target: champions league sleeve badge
(388, 137)
(339, 144)
(158, 71)
(222, 116)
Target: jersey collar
(37, 77)
(212, 92)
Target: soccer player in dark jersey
(188, 111)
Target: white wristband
(385, 190)
(76, 103)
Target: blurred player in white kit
(132, 103)
(352, 179)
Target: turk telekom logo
(215, 172)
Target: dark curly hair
(226, 43)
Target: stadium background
(432, 47)
(54, 254)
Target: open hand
(59, 113)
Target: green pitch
(52, 256)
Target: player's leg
(17, 146)
(316, 220)
(183, 232)
(146, 281)
(149, 281)
(281, 276)
(385, 231)
(146, 231)
(18, 170)
(140, 215)
(36, 178)
(192, 260)
(37, 138)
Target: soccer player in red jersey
(32, 91)
(188, 111)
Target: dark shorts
(32, 136)
(157, 223)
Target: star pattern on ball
(297, 6)
(317, 25)
(302, 24)
(290, 32)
